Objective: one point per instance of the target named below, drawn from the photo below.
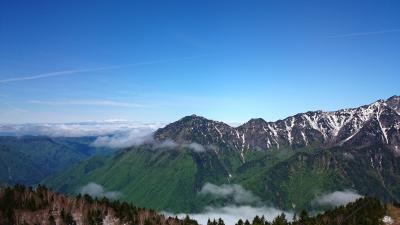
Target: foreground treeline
(21, 205)
(364, 211)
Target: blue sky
(225, 60)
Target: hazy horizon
(161, 122)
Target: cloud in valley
(126, 139)
(231, 214)
(170, 144)
(239, 209)
(196, 147)
(337, 198)
(166, 144)
(97, 191)
(230, 191)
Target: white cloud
(170, 144)
(106, 128)
(97, 191)
(130, 138)
(337, 198)
(234, 191)
(166, 144)
(231, 214)
(195, 147)
(113, 133)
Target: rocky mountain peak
(255, 122)
(193, 117)
(394, 103)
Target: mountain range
(287, 163)
(375, 123)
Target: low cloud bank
(170, 144)
(234, 191)
(133, 137)
(138, 137)
(196, 147)
(111, 134)
(231, 214)
(102, 128)
(337, 198)
(97, 191)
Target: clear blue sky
(226, 60)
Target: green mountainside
(172, 179)
(30, 159)
(167, 180)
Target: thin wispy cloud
(365, 33)
(12, 107)
(55, 74)
(78, 71)
(89, 103)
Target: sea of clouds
(81, 129)
(111, 134)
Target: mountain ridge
(331, 128)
